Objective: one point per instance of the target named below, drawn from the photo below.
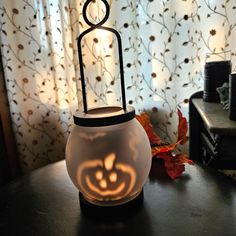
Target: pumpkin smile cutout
(106, 179)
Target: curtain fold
(165, 46)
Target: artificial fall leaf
(144, 120)
(182, 128)
(174, 165)
(181, 158)
(163, 148)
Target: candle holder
(216, 73)
(108, 154)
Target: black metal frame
(79, 39)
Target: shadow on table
(137, 223)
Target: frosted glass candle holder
(109, 164)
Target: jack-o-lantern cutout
(107, 179)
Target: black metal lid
(104, 116)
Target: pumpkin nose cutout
(103, 183)
(109, 161)
(113, 177)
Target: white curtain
(165, 46)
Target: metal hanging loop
(107, 12)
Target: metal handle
(79, 39)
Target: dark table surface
(201, 202)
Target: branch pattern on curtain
(165, 46)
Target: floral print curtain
(165, 46)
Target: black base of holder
(111, 212)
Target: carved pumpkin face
(106, 179)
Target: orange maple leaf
(181, 158)
(182, 128)
(144, 120)
(164, 148)
(174, 164)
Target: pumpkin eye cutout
(106, 179)
(98, 175)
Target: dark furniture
(201, 202)
(9, 166)
(212, 134)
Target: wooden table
(201, 202)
